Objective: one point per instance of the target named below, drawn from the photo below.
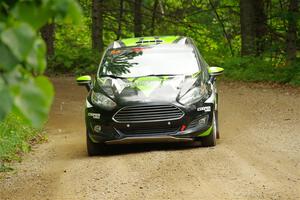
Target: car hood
(145, 89)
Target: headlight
(102, 101)
(194, 95)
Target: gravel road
(257, 157)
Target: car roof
(150, 40)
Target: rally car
(151, 89)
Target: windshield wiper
(161, 75)
(111, 76)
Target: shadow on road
(113, 150)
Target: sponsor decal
(94, 115)
(144, 84)
(205, 109)
(147, 84)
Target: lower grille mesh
(150, 131)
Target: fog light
(203, 121)
(199, 122)
(97, 128)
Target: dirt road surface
(257, 157)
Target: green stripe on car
(130, 41)
(205, 133)
(169, 39)
(151, 40)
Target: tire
(211, 139)
(217, 125)
(94, 149)
(217, 116)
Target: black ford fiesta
(151, 89)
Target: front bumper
(101, 128)
(148, 139)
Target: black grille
(148, 113)
(150, 131)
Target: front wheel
(217, 125)
(94, 149)
(211, 139)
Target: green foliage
(33, 99)
(22, 56)
(15, 139)
(78, 61)
(73, 53)
(261, 69)
(73, 44)
(6, 101)
(214, 25)
(19, 38)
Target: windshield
(153, 60)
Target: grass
(16, 138)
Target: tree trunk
(247, 27)
(260, 26)
(253, 26)
(138, 32)
(97, 25)
(119, 33)
(291, 36)
(47, 33)
(154, 17)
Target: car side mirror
(85, 81)
(214, 72)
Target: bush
(15, 139)
(74, 61)
(73, 53)
(259, 69)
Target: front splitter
(149, 139)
